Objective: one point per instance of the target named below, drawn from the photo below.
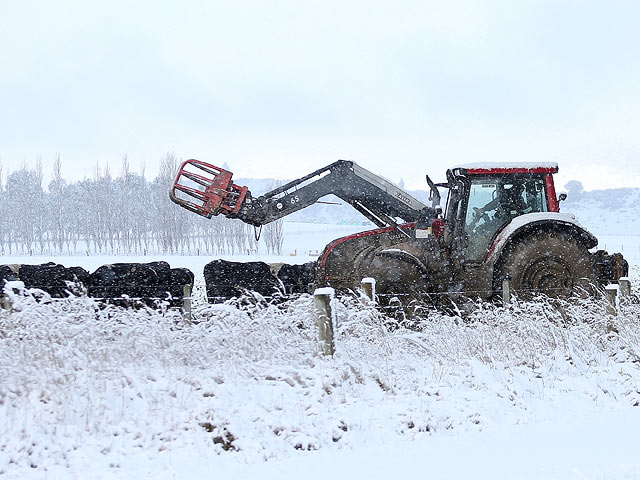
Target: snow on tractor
(501, 220)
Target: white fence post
(369, 288)
(186, 303)
(13, 286)
(324, 319)
(612, 297)
(506, 290)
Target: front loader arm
(208, 191)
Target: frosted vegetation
(87, 386)
(126, 214)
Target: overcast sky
(279, 88)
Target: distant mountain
(613, 211)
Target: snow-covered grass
(93, 392)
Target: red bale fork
(206, 189)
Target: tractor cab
(485, 198)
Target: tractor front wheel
(400, 286)
(554, 263)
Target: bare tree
(23, 192)
(123, 206)
(274, 236)
(143, 224)
(274, 232)
(56, 205)
(38, 205)
(169, 222)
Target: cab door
(482, 221)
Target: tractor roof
(483, 168)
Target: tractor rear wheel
(554, 263)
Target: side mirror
(434, 194)
(562, 197)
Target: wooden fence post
(369, 288)
(15, 286)
(612, 296)
(625, 286)
(506, 290)
(5, 301)
(324, 319)
(186, 303)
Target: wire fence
(146, 292)
(143, 292)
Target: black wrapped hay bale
(148, 283)
(297, 278)
(55, 279)
(226, 280)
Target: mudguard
(404, 255)
(339, 263)
(533, 221)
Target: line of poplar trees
(113, 215)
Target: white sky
(279, 88)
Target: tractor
(500, 221)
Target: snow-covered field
(534, 391)
(537, 390)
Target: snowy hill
(612, 211)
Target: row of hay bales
(157, 281)
(149, 283)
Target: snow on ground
(539, 390)
(242, 393)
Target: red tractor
(500, 221)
